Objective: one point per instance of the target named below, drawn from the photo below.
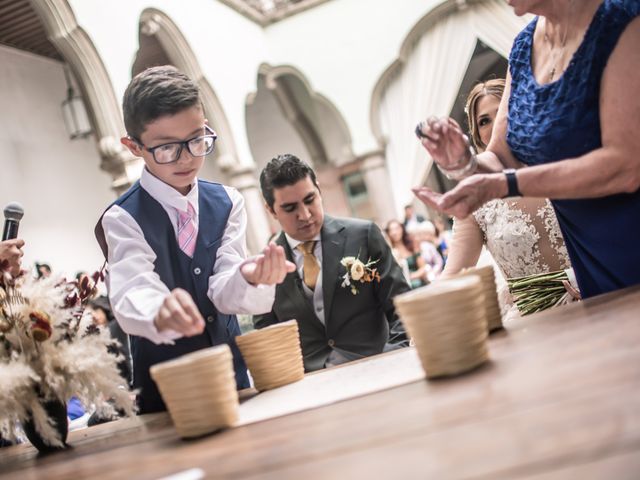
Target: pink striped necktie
(187, 230)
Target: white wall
(58, 181)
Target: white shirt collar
(167, 195)
(293, 243)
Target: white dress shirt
(337, 356)
(135, 289)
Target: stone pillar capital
(243, 178)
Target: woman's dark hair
(282, 171)
(406, 239)
(102, 303)
(40, 267)
(154, 93)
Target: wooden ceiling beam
(23, 27)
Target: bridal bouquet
(49, 352)
(538, 292)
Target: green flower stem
(538, 292)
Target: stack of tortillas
(199, 390)
(447, 323)
(273, 355)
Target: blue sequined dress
(561, 120)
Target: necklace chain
(556, 51)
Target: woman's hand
(445, 142)
(469, 195)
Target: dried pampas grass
(74, 360)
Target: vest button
(331, 342)
(197, 271)
(210, 319)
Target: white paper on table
(334, 385)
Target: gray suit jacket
(361, 324)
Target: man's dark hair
(282, 171)
(154, 93)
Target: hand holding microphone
(11, 246)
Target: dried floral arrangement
(50, 350)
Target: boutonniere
(358, 272)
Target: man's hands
(179, 313)
(11, 251)
(269, 268)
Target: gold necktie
(310, 267)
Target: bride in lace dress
(522, 234)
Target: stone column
(374, 170)
(123, 167)
(258, 228)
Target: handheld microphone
(13, 213)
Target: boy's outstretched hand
(179, 313)
(269, 268)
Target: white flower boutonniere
(358, 272)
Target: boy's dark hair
(154, 93)
(282, 171)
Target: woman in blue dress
(568, 128)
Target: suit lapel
(291, 287)
(333, 242)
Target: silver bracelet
(460, 173)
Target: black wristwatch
(512, 182)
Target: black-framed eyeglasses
(199, 146)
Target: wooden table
(560, 399)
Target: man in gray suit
(336, 325)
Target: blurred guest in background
(424, 234)
(410, 217)
(407, 253)
(443, 237)
(100, 309)
(43, 270)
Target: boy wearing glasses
(175, 244)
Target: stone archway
(314, 117)
(286, 115)
(76, 48)
(155, 23)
